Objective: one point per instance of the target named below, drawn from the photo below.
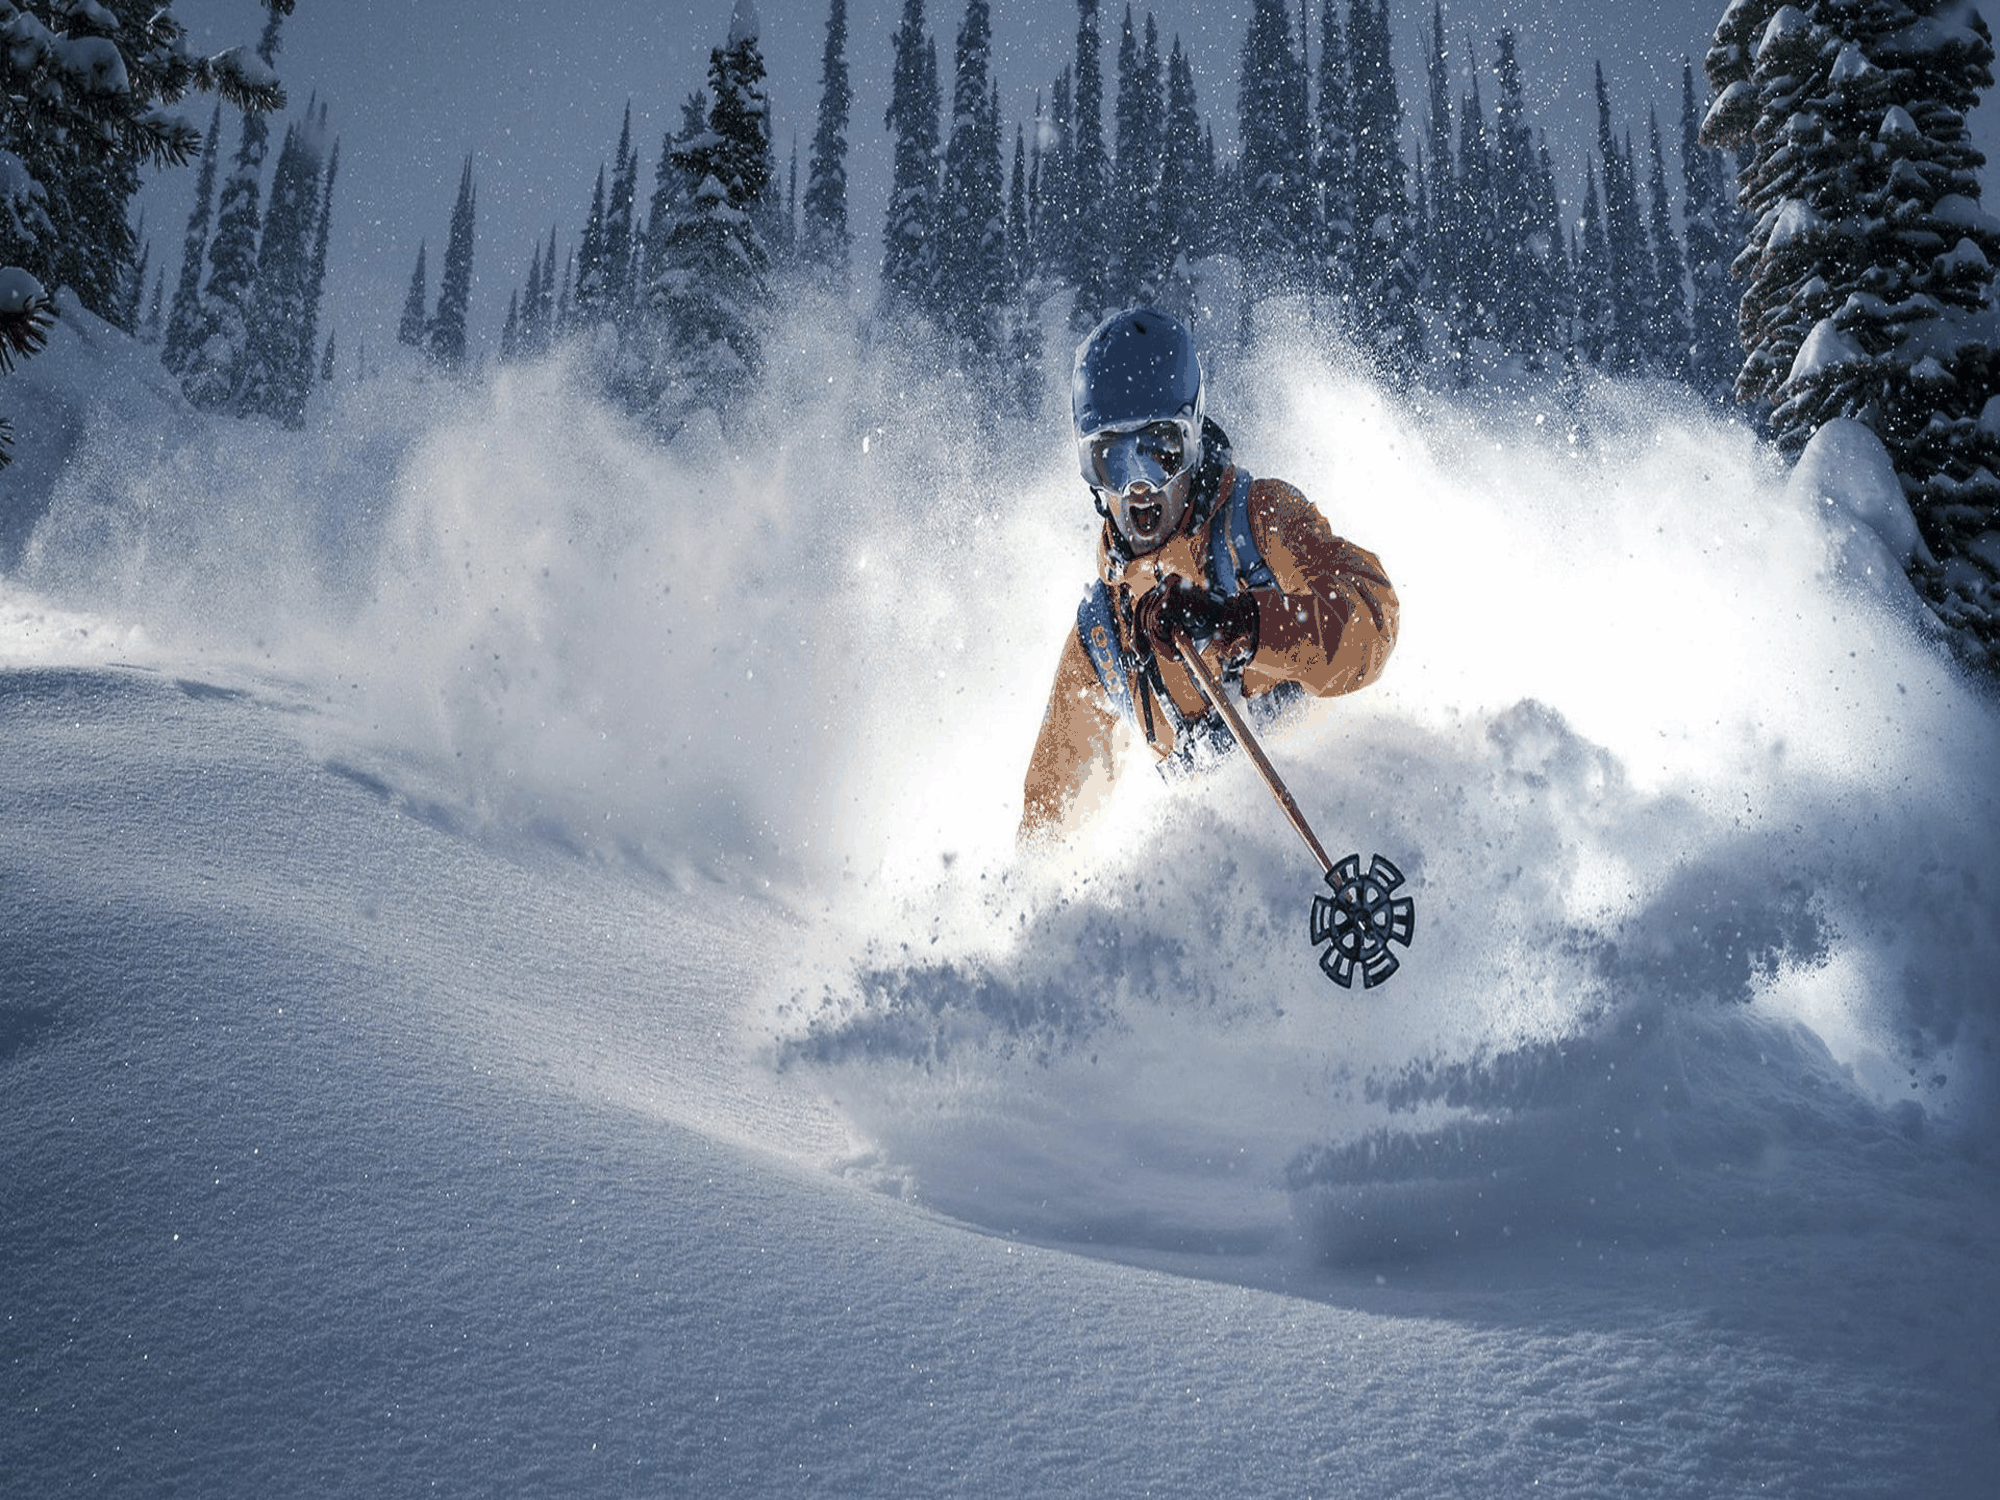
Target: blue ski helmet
(1136, 398)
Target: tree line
(1822, 256)
(1464, 262)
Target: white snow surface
(515, 978)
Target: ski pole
(1212, 691)
(1363, 915)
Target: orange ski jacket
(1326, 620)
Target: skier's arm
(1074, 748)
(1331, 622)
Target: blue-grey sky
(534, 92)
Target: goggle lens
(1154, 454)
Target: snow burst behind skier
(1247, 569)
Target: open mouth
(1144, 515)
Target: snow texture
(515, 977)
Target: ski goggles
(1117, 458)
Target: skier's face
(1142, 476)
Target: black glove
(1176, 607)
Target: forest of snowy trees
(1812, 247)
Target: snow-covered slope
(514, 977)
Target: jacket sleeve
(1331, 622)
(1074, 747)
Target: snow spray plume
(787, 653)
(1689, 795)
(1677, 780)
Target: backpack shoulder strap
(1234, 563)
(1098, 631)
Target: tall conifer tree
(410, 326)
(825, 241)
(1709, 213)
(210, 377)
(1090, 180)
(1276, 153)
(1628, 289)
(1871, 263)
(1670, 335)
(1055, 186)
(1333, 161)
(1141, 242)
(1526, 230)
(315, 284)
(1386, 273)
(1185, 199)
(713, 294)
(972, 239)
(267, 373)
(184, 318)
(618, 225)
(909, 238)
(446, 336)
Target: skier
(1246, 569)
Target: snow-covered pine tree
(1275, 156)
(1668, 346)
(445, 337)
(1871, 263)
(1333, 161)
(1090, 179)
(1628, 289)
(1522, 291)
(909, 235)
(825, 241)
(713, 293)
(132, 293)
(1020, 225)
(1477, 226)
(85, 91)
(1022, 359)
(548, 314)
(672, 193)
(267, 376)
(210, 378)
(1708, 212)
(1053, 207)
(1554, 305)
(591, 255)
(315, 282)
(618, 226)
(1186, 195)
(1140, 254)
(184, 316)
(410, 327)
(972, 223)
(1386, 274)
(1592, 336)
(522, 308)
(1445, 262)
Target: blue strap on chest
(1233, 559)
(1098, 631)
(1232, 551)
